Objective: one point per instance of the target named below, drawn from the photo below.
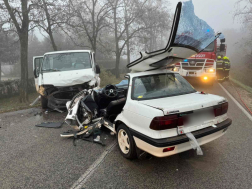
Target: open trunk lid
(189, 35)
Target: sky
(217, 13)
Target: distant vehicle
(202, 67)
(60, 75)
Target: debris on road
(36, 100)
(50, 124)
(195, 145)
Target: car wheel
(126, 142)
(44, 102)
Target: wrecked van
(60, 75)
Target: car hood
(184, 103)
(69, 78)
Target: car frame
(135, 119)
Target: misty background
(115, 29)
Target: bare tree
(17, 15)
(124, 18)
(88, 20)
(53, 14)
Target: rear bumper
(181, 143)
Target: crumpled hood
(184, 103)
(69, 78)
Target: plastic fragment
(195, 145)
(214, 126)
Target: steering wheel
(110, 91)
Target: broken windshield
(193, 32)
(159, 86)
(66, 61)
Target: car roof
(68, 51)
(158, 71)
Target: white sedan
(161, 108)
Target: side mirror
(36, 70)
(223, 40)
(222, 47)
(97, 69)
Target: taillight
(221, 109)
(166, 122)
(177, 64)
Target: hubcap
(123, 141)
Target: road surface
(33, 157)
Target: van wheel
(126, 142)
(44, 102)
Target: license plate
(188, 129)
(191, 73)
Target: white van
(60, 75)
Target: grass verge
(247, 88)
(12, 103)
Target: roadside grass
(247, 88)
(12, 103)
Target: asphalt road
(32, 157)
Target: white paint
(237, 103)
(82, 180)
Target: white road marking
(237, 103)
(81, 181)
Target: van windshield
(159, 86)
(66, 61)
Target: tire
(130, 151)
(44, 102)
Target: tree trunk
(49, 28)
(23, 89)
(117, 65)
(52, 40)
(117, 44)
(0, 71)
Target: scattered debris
(50, 124)
(36, 100)
(38, 113)
(194, 143)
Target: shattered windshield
(159, 86)
(66, 62)
(193, 32)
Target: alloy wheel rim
(123, 141)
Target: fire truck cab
(200, 67)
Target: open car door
(189, 35)
(37, 63)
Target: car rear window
(160, 86)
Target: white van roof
(68, 51)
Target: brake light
(177, 64)
(221, 109)
(166, 122)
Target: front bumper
(181, 142)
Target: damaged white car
(155, 110)
(60, 75)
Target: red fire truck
(202, 67)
